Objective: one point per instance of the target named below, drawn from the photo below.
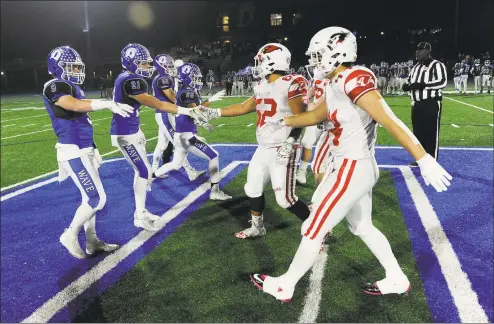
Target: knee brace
(300, 209)
(257, 204)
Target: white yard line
(8, 125)
(455, 126)
(28, 125)
(64, 297)
(465, 299)
(470, 105)
(220, 125)
(313, 298)
(24, 134)
(35, 116)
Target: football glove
(284, 152)
(276, 121)
(417, 86)
(434, 174)
(206, 114)
(217, 96)
(121, 109)
(406, 87)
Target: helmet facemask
(70, 74)
(143, 71)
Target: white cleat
(100, 246)
(151, 217)
(253, 231)
(219, 195)
(71, 243)
(143, 221)
(194, 174)
(302, 176)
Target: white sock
(188, 168)
(90, 230)
(379, 245)
(140, 186)
(156, 157)
(304, 259)
(82, 215)
(214, 166)
(304, 165)
(258, 221)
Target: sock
(156, 157)
(215, 187)
(167, 153)
(188, 168)
(258, 221)
(90, 230)
(379, 245)
(300, 209)
(82, 215)
(304, 165)
(140, 186)
(304, 259)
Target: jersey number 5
(261, 115)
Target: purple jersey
(70, 127)
(185, 97)
(127, 84)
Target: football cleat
(386, 286)
(145, 221)
(151, 217)
(100, 246)
(253, 231)
(302, 176)
(71, 243)
(271, 287)
(219, 195)
(194, 174)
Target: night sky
(30, 29)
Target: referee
(425, 82)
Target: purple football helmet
(65, 63)
(164, 64)
(190, 75)
(133, 55)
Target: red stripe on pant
(289, 172)
(319, 155)
(292, 183)
(337, 198)
(321, 206)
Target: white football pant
(263, 167)
(463, 82)
(322, 153)
(476, 80)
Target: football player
(278, 94)
(354, 107)
(77, 154)
(210, 80)
(131, 88)
(403, 72)
(393, 79)
(476, 71)
(164, 90)
(465, 70)
(457, 76)
(383, 77)
(185, 138)
(486, 76)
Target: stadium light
(382, 33)
(2, 73)
(286, 38)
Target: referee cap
(424, 45)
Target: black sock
(212, 184)
(167, 154)
(300, 209)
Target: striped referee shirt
(433, 76)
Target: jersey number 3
(261, 115)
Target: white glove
(97, 159)
(121, 109)
(206, 114)
(217, 96)
(276, 121)
(434, 174)
(285, 151)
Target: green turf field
(200, 272)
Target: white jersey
(272, 102)
(352, 130)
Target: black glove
(406, 87)
(417, 86)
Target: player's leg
(322, 151)
(340, 191)
(283, 183)
(133, 148)
(360, 223)
(86, 178)
(257, 177)
(311, 136)
(162, 143)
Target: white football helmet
(271, 57)
(330, 47)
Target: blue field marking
(465, 212)
(35, 266)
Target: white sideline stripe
(251, 124)
(24, 134)
(455, 126)
(220, 125)
(6, 120)
(492, 125)
(313, 299)
(8, 125)
(64, 297)
(470, 105)
(460, 287)
(53, 172)
(28, 125)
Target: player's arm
(308, 118)
(243, 108)
(170, 94)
